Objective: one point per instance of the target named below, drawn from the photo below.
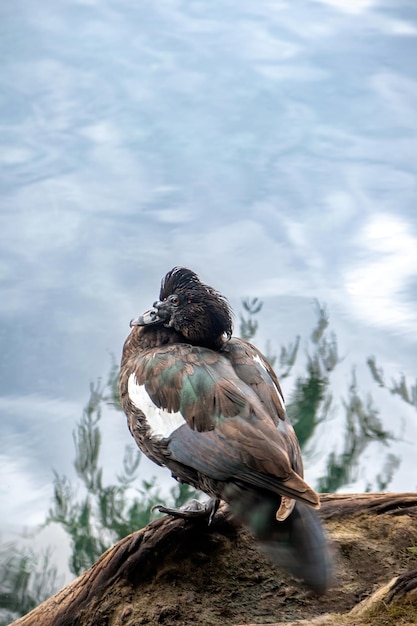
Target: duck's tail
(298, 544)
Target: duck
(208, 406)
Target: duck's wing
(254, 369)
(195, 382)
(221, 428)
(239, 451)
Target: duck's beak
(149, 317)
(155, 315)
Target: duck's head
(195, 310)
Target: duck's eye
(174, 300)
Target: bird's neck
(144, 338)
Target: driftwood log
(181, 572)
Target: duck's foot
(192, 510)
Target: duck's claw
(191, 510)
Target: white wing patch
(161, 423)
(259, 361)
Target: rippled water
(271, 146)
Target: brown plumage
(210, 408)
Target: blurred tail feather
(298, 544)
(300, 547)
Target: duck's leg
(192, 510)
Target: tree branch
(177, 571)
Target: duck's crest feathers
(207, 310)
(177, 280)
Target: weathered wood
(156, 553)
(134, 558)
(342, 504)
